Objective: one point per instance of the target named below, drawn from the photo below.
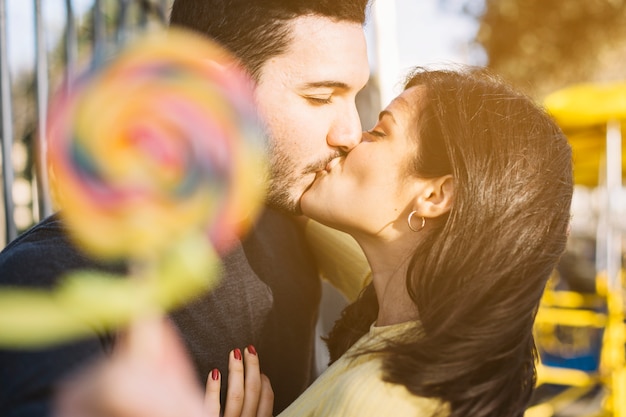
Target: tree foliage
(544, 45)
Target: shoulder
(354, 386)
(39, 256)
(362, 391)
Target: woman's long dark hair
(478, 277)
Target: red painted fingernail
(252, 350)
(237, 354)
(215, 374)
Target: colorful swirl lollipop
(156, 160)
(161, 142)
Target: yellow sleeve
(339, 258)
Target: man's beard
(282, 184)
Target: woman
(460, 199)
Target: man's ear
(436, 198)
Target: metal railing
(90, 36)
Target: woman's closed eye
(377, 133)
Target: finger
(252, 388)
(235, 393)
(212, 394)
(266, 400)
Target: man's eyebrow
(326, 84)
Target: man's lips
(321, 165)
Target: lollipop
(155, 160)
(161, 142)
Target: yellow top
(353, 385)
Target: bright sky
(411, 33)
(21, 32)
(432, 34)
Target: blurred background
(539, 46)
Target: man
(308, 58)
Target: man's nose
(345, 133)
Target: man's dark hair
(257, 30)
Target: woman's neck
(389, 261)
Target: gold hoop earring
(409, 222)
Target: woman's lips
(332, 163)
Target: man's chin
(284, 202)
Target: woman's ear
(437, 197)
